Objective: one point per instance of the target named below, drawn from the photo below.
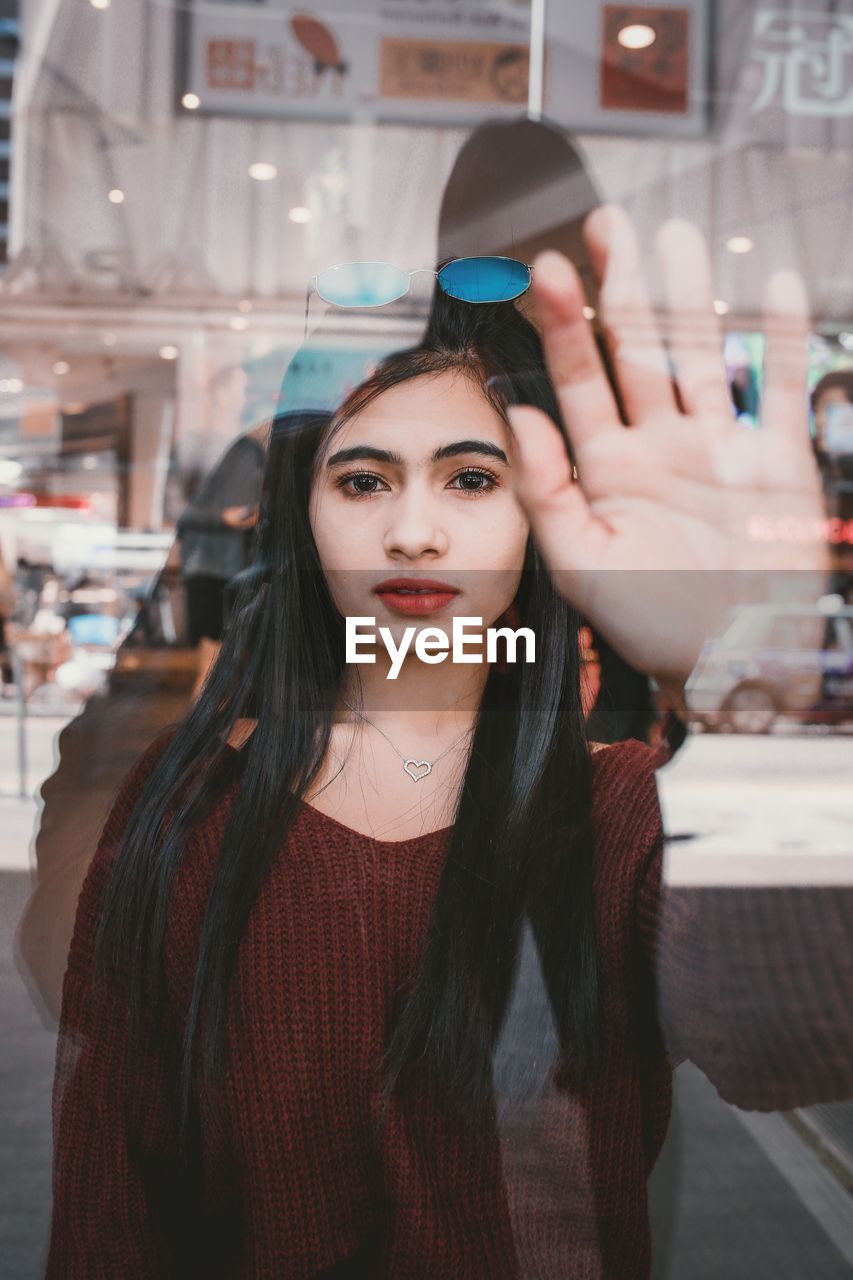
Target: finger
(561, 521)
(571, 355)
(627, 315)
(786, 324)
(696, 337)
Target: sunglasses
(490, 278)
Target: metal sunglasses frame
(433, 271)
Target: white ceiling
(194, 224)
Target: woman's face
(418, 485)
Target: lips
(415, 595)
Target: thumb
(562, 523)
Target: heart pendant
(412, 765)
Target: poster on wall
(628, 68)
(439, 61)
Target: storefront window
(279, 287)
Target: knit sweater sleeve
(752, 984)
(113, 1137)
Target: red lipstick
(415, 595)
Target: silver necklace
(416, 769)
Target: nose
(414, 529)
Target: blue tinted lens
(484, 279)
(362, 284)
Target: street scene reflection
(434, 309)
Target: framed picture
(629, 68)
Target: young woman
(363, 975)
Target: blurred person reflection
(7, 609)
(540, 201)
(831, 393)
(744, 392)
(225, 403)
(832, 408)
(148, 688)
(215, 535)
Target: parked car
(775, 661)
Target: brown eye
(359, 484)
(475, 480)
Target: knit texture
(299, 1171)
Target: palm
(647, 541)
(660, 501)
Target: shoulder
(241, 732)
(129, 791)
(125, 800)
(625, 805)
(139, 773)
(102, 863)
(628, 764)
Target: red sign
(231, 64)
(655, 77)
(73, 501)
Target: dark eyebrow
(367, 453)
(469, 446)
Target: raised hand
(668, 510)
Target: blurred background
(172, 178)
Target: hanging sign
(418, 61)
(786, 73)
(628, 68)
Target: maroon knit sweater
(298, 1175)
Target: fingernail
(785, 294)
(554, 268)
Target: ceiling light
(239, 322)
(636, 36)
(61, 367)
(300, 214)
(90, 462)
(846, 341)
(10, 470)
(191, 101)
(168, 352)
(116, 196)
(100, 4)
(262, 172)
(721, 307)
(589, 313)
(11, 385)
(740, 244)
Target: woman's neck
(433, 698)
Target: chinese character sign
(807, 62)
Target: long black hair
(521, 846)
